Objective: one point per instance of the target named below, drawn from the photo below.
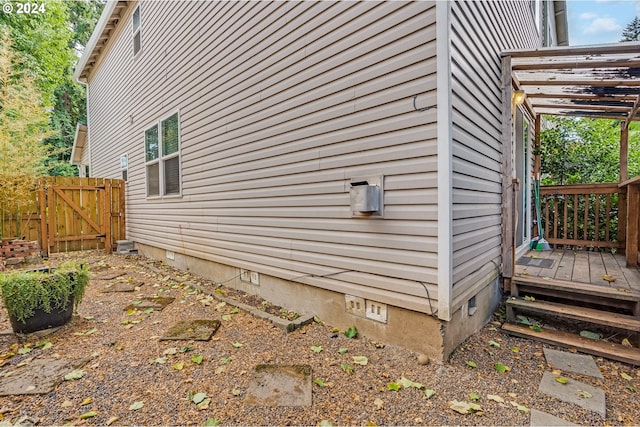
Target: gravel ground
(125, 352)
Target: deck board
(584, 267)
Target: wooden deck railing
(632, 224)
(584, 215)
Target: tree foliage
(23, 125)
(43, 40)
(50, 44)
(631, 32)
(581, 150)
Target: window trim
(136, 31)
(162, 158)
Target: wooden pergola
(601, 81)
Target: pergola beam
(574, 65)
(633, 113)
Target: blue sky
(599, 21)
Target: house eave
(79, 144)
(109, 19)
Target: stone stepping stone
(570, 392)
(156, 303)
(192, 330)
(541, 419)
(40, 376)
(122, 286)
(571, 362)
(110, 275)
(280, 385)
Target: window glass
(136, 19)
(172, 175)
(151, 143)
(170, 139)
(153, 179)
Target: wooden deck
(583, 267)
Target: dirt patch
(130, 364)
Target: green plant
(24, 292)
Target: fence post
(44, 244)
(107, 215)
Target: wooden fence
(69, 214)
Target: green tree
(23, 124)
(43, 40)
(581, 150)
(631, 32)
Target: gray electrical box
(365, 197)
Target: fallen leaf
(352, 332)
(178, 366)
(66, 404)
(347, 368)
(234, 311)
(212, 422)
(225, 360)
(471, 364)
(429, 393)
(136, 405)
(494, 344)
(237, 344)
(360, 360)
(474, 396)
(88, 415)
(562, 380)
(501, 368)
(316, 348)
(86, 401)
(236, 392)
(170, 351)
(626, 376)
(319, 382)
(515, 349)
(495, 398)
(407, 383)
(226, 317)
(626, 343)
(112, 420)
(197, 359)
(584, 394)
(591, 335)
(378, 403)
(198, 397)
(76, 374)
(160, 360)
(220, 369)
(464, 407)
(609, 278)
(343, 350)
(393, 386)
(535, 328)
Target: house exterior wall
(480, 31)
(281, 104)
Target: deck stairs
(573, 304)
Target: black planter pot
(43, 320)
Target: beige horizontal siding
(480, 31)
(281, 104)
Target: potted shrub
(44, 298)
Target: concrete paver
(541, 419)
(570, 392)
(280, 385)
(571, 362)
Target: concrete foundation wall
(412, 330)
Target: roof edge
(590, 50)
(105, 16)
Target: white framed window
(124, 166)
(162, 157)
(137, 32)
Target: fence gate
(82, 213)
(72, 214)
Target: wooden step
(590, 315)
(583, 292)
(575, 287)
(599, 348)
